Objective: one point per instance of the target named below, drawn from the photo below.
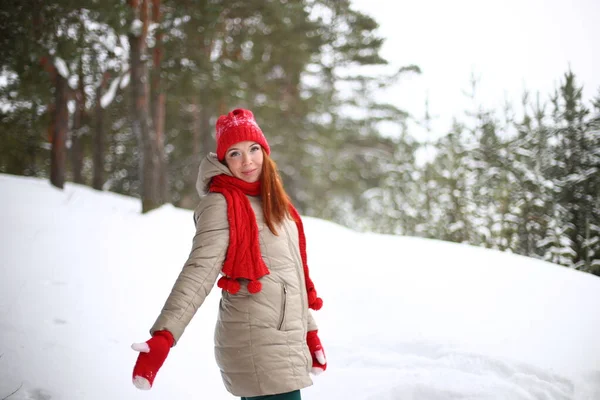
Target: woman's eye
(234, 154)
(255, 148)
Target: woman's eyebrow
(235, 148)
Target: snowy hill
(84, 274)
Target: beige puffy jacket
(260, 339)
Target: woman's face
(245, 160)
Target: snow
(6, 107)
(61, 67)
(136, 27)
(84, 275)
(73, 82)
(109, 96)
(125, 80)
(71, 106)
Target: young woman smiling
(247, 231)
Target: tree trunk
(158, 106)
(196, 129)
(58, 154)
(140, 118)
(76, 145)
(98, 139)
(202, 143)
(208, 141)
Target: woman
(266, 340)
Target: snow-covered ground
(84, 274)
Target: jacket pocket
(283, 306)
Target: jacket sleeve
(201, 269)
(312, 324)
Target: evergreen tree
(528, 161)
(51, 49)
(575, 176)
(341, 151)
(447, 186)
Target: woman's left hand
(319, 362)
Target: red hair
(275, 201)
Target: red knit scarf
(243, 260)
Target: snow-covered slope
(84, 274)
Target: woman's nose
(245, 158)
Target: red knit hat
(238, 126)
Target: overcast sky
(511, 45)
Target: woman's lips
(249, 172)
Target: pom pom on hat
(238, 126)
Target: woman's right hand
(319, 362)
(153, 354)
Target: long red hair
(275, 201)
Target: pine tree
(342, 152)
(447, 185)
(575, 176)
(591, 172)
(528, 161)
(52, 49)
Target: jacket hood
(210, 166)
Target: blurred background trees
(123, 96)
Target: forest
(123, 96)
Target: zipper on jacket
(283, 303)
(299, 272)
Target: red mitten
(153, 354)
(319, 362)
